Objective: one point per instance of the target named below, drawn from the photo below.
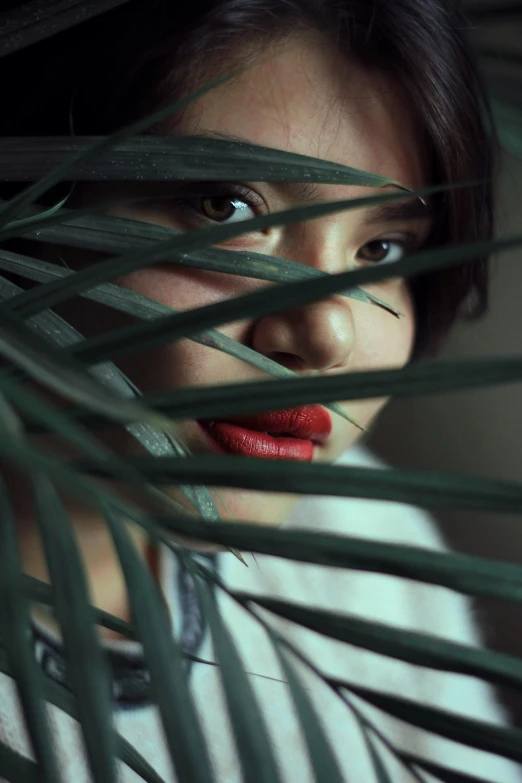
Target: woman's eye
(383, 251)
(223, 209)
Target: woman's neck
(106, 582)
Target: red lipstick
(285, 434)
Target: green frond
(40, 351)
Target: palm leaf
(171, 691)
(426, 488)
(470, 575)
(325, 766)
(49, 161)
(112, 234)
(414, 647)
(42, 217)
(380, 770)
(171, 158)
(335, 686)
(68, 167)
(43, 593)
(60, 697)
(501, 740)
(441, 772)
(58, 423)
(506, 742)
(417, 379)
(86, 665)
(161, 656)
(156, 442)
(51, 293)
(123, 341)
(30, 458)
(138, 305)
(253, 745)
(28, 677)
(39, 19)
(16, 768)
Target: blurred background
(476, 432)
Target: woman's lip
(305, 422)
(234, 439)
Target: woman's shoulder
(388, 600)
(383, 520)
(361, 455)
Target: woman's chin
(245, 506)
(255, 507)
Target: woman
(389, 87)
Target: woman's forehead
(308, 99)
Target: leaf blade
(123, 341)
(184, 734)
(14, 616)
(434, 489)
(421, 649)
(60, 697)
(324, 764)
(466, 574)
(16, 768)
(443, 773)
(34, 21)
(423, 378)
(500, 740)
(51, 293)
(252, 741)
(86, 664)
(173, 158)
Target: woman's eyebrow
(413, 209)
(402, 211)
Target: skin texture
(304, 99)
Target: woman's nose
(319, 336)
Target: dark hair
(141, 55)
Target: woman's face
(306, 100)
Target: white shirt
(399, 602)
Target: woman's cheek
(383, 341)
(183, 288)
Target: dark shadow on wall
(476, 432)
(431, 434)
